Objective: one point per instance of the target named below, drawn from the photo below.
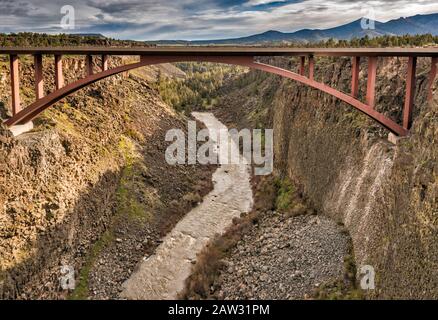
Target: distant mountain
(419, 24)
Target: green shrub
(285, 195)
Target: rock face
(386, 195)
(92, 166)
(284, 258)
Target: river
(162, 275)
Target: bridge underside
(22, 116)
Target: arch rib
(368, 110)
(40, 105)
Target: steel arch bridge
(242, 56)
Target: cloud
(260, 2)
(194, 19)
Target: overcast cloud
(196, 19)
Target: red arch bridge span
(242, 56)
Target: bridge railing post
(432, 77)
(15, 83)
(410, 93)
(39, 81)
(371, 83)
(59, 76)
(355, 77)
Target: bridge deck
(228, 51)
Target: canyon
(90, 180)
(345, 167)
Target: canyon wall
(93, 160)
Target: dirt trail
(162, 275)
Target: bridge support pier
(302, 70)
(410, 93)
(432, 77)
(59, 76)
(371, 85)
(15, 83)
(311, 67)
(355, 77)
(39, 81)
(89, 65)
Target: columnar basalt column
(432, 77)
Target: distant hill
(419, 24)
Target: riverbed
(162, 275)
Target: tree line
(199, 87)
(26, 39)
(383, 41)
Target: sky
(195, 19)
